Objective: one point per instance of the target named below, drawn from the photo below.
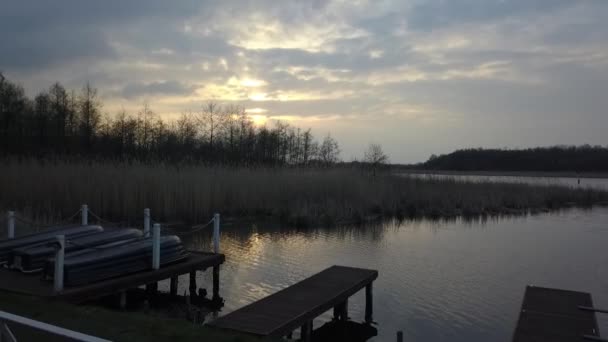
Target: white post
(147, 222)
(59, 258)
(156, 246)
(11, 224)
(85, 215)
(216, 233)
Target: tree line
(584, 158)
(61, 122)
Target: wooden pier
(556, 315)
(296, 306)
(32, 284)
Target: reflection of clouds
(438, 279)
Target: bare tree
(89, 114)
(145, 117)
(211, 120)
(329, 151)
(375, 157)
(186, 130)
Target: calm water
(597, 183)
(438, 281)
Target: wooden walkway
(32, 284)
(554, 315)
(296, 306)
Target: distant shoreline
(555, 174)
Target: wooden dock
(556, 315)
(296, 306)
(32, 284)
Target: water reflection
(574, 182)
(458, 280)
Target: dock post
(173, 286)
(306, 332)
(156, 246)
(341, 311)
(123, 299)
(216, 233)
(59, 259)
(147, 222)
(399, 336)
(192, 284)
(369, 304)
(11, 224)
(216, 282)
(84, 215)
(152, 288)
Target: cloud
(134, 90)
(402, 70)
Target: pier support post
(152, 288)
(216, 282)
(156, 246)
(216, 233)
(341, 311)
(84, 215)
(192, 284)
(399, 336)
(59, 259)
(123, 299)
(11, 224)
(147, 222)
(173, 286)
(369, 304)
(306, 332)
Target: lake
(582, 182)
(438, 281)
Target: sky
(418, 77)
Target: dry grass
(51, 191)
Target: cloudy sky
(418, 77)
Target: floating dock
(556, 315)
(296, 306)
(101, 263)
(32, 284)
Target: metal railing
(6, 335)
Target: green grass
(192, 193)
(100, 322)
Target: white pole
(147, 222)
(216, 233)
(85, 215)
(11, 224)
(156, 246)
(59, 259)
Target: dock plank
(286, 310)
(553, 315)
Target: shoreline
(105, 323)
(539, 174)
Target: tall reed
(191, 193)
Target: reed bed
(51, 191)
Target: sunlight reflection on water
(457, 280)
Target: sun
(258, 119)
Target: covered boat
(70, 232)
(33, 258)
(91, 265)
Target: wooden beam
(192, 284)
(216, 282)
(173, 286)
(306, 332)
(369, 304)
